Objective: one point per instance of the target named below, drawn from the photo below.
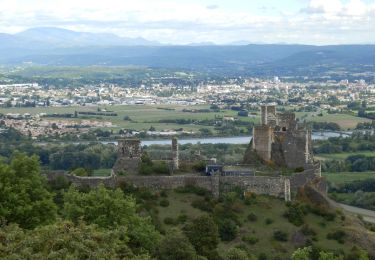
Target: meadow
(346, 177)
(142, 117)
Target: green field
(345, 177)
(102, 172)
(345, 121)
(343, 156)
(142, 116)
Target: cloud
(170, 21)
(212, 7)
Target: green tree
(301, 254)
(176, 246)
(65, 240)
(236, 254)
(203, 234)
(329, 256)
(111, 209)
(24, 198)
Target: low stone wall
(275, 186)
(169, 182)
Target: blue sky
(318, 22)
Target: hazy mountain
(56, 37)
(53, 46)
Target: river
(229, 140)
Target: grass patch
(101, 172)
(346, 177)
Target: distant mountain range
(60, 47)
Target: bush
(164, 194)
(280, 236)
(170, 221)
(203, 205)
(164, 203)
(236, 254)
(193, 189)
(251, 240)
(307, 231)
(268, 221)
(176, 246)
(250, 199)
(182, 218)
(262, 256)
(295, 214)
(252, 217)
(228, 230)
(338, 235)
(199, 166)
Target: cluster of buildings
(38, 126)
(252, 90)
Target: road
(368, 215)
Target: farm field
(343, 156)
(346, 177)
(345, 121)
(142, 116)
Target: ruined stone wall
(129, 156)
(291, 148)
(268, 115)
(274, 186)
(169, 182)
(286, 121)
(262, 141)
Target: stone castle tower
(129, 153)
(280, 140)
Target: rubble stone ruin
(129, 153)
(279, 139)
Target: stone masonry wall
(274, 186)
(262, 140)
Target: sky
(319, 22)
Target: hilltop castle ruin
(280, 140)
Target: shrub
(202, 205)
(170, 221)
(176, 246)
(252, 217)
(203, 234)
(164, 203)
(338, 235)
(193, 189)
(199, 166)
(250, 200)
(307, 231)
(228, 230)
(268, 221)
(251, 240)
(236, 254)
(182, 218)
(164, 194)
(262, 256)
(295, 214)
(280, 236)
